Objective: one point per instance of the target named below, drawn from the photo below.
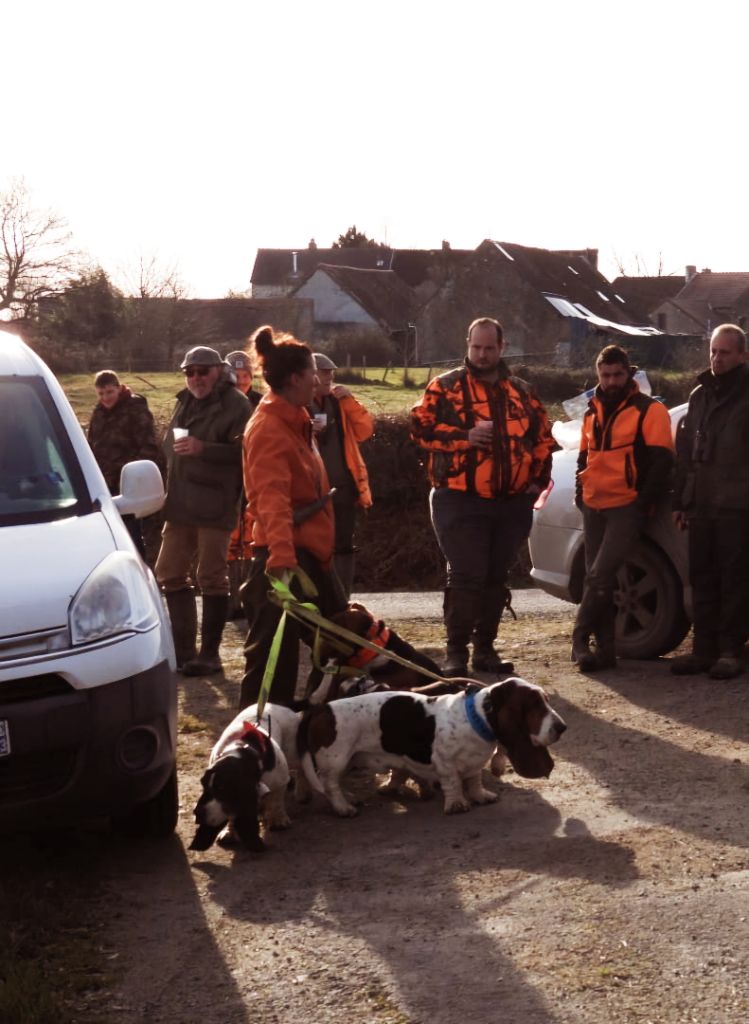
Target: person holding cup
(489, 444)
(340, 423)
(203, 446)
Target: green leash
(309, 615)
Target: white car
(653, 597)
(88, 706)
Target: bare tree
(36, 255)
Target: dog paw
(278, 824)
(346, 811)
(228, 839)
(457, 807)
(498, 765)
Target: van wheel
(650, 618)
(154, 819)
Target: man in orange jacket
(489, 444)
(340, 423)
(623, 471)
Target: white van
(88, 706)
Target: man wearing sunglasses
(203, 445)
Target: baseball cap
(323, 362)
(239, 360)
(200, 355)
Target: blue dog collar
(475, 720)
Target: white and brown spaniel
(447, 738)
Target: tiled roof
(711, 298)
(564, 274)
(276, 266)
(645, 294)
(383, 295)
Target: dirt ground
(616, 890)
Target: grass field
(382, 391)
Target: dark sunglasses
(196, 371)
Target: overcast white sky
(197, 132)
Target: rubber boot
(586, 621)
(461, 609)
(343, 564)
(215, 607)
(494, 600)
(605, 636)
(184, 618)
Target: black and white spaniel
(247, 776)
(446, 738)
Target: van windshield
(40, 478)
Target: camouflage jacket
(122, 434)
(520, 456)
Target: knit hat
(239, 361)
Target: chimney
(294, 268)
(691, 271)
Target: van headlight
(115, 598)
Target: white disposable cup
(180, 432)
(321, 419)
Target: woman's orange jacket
(283, 473)
(521, 447)
(626, 455)
(357, 424)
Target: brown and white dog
(447, 739)
(246, 778)
(384, 673)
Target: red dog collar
(378, 634)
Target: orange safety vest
(614, 449)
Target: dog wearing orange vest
(382, 673)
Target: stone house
(369, 310)
(554, 305)
(706, 300)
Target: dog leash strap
(309, 613)
(270, 665)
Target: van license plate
(4, 738)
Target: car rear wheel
(650, 619)
(154, 819)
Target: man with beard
(489, 444)
(623, 471)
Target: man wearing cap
(203, 447)
(340, 423)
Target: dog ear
(530, 761)
(205, 836)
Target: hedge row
(396, 548)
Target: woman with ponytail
(288, 498)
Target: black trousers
(719, 575)
(479, 537)
(263, 617)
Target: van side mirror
(141, 489)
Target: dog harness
(475, 720)
(378, 634)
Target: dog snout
(559, 726)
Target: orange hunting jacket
(283, 472)
(522, 444)
(627, 456)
